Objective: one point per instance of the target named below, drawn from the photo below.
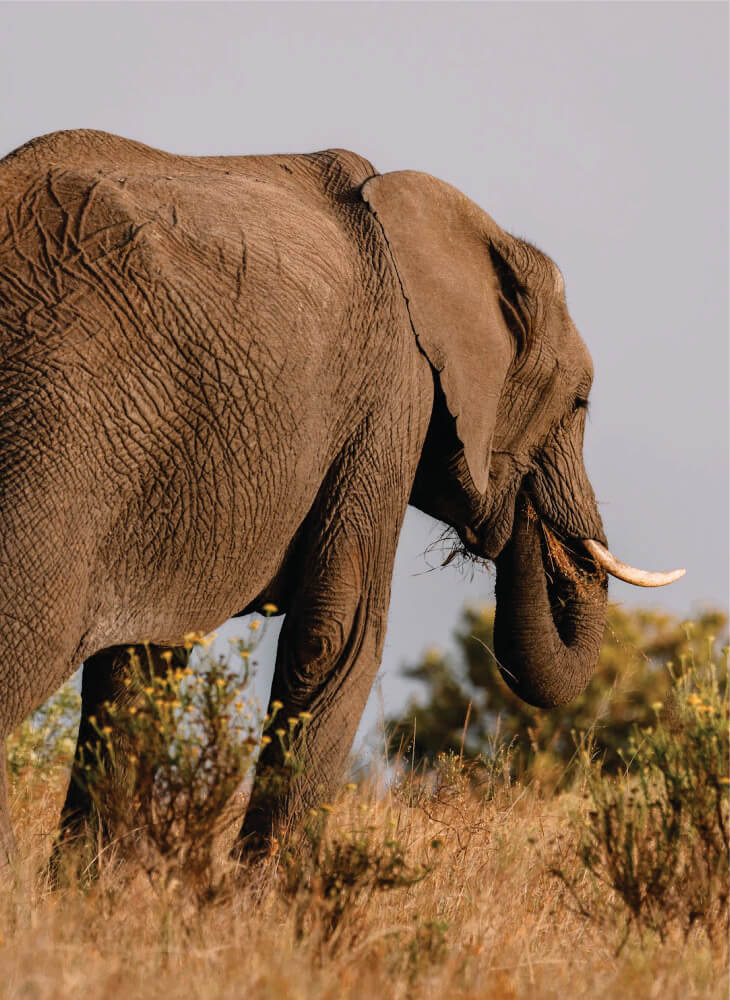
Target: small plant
(658, 837)
(168, 761)
(450, 794)
(331, 877)
(428, 946)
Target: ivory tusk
(622, 571)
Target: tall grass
(460, 882)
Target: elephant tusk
(622, 571)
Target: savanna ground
(530, 871)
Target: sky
(597, 131)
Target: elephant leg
(329, 648)
(102, 682)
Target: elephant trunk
(548, 626)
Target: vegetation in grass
(46, 740)
(441, 882)
(166, 766)
(168, 762)
(657, 835)
(330, 878)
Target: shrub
(168, 761)
(658, 835)
(330, 878)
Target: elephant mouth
(579, 559)
(486, 541)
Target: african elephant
(223, 380)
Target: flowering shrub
(658, 835)
(168, 761)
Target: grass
(459, 883)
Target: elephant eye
(580, 403)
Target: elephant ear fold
(442, 248)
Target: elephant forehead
(570, 348)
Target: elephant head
(502, 463)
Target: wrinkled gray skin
(223, 380)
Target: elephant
(223, 380)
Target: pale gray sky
(598, 131)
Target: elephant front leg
(323, 678)
(329, 652)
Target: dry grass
(488, 920)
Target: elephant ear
(443, 247)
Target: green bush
(467, 708)
(658, 835)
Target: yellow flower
(148, 690)
(254, 625)
(305, 716)
(724, 781)
(694, 699)
(269, 609)
(326, 807)
(167, 656)
(238, 705)
(657, 706)
(265, 740)
(280, 732)
(276, 705)
(351, 786)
